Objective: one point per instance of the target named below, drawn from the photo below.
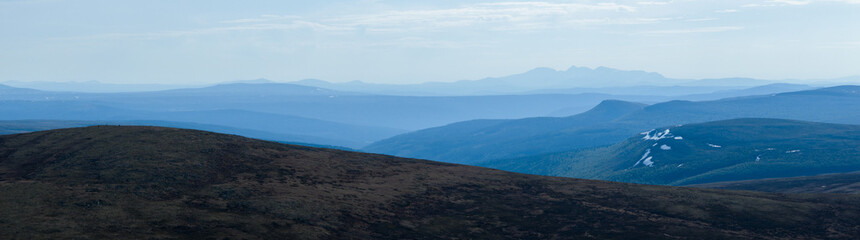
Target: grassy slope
(160, 183)
(821, 148)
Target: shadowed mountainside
(516, 138)
(729, 150)
(471, 141)
(161, 183)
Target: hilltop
(163, 183)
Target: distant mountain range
(536, 79)
(150, 182)
(573, 80)
(611, 122)
(358, 117)
(269, 126)
(731, 150)
(95, 86)
(380, 111)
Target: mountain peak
(258, 80)
(615, 108)
(542, 69)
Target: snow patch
(679, 138)
(654, 145)
(648, 162)
(679, 165)
(758, 158)
(647, 152)
(792, 151)
(657, 135)
(714, 145)
(665, 147)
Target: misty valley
(185, 163)
(469, 119)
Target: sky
(410, 41)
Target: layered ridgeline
(825, 183)
(610, 122)
(398, 112)
(730, 150)
(546, 80)
(149, 182)
(476, 140)
(315, 115)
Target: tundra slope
(161, 183)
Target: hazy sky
(407, 41)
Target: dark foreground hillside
(160, 183)
(825, 183)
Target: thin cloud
(263, 18)
(846, 1)
(780, 3)
(701, 19)
(695, 30)
(844, 45)
(653, 3)
(218, 30)
(513, 15)
(790, 2)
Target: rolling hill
(285, 127)
(517, 138)
(25, 126)
(729, 150)
(359, 109)
(472, 141)
(161, 183)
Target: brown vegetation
(161, 183)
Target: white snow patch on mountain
(657, 135)
(679, 138)
(665, 147)
(714, 145)
(792, 151)
(647, 152)
(648, 162)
